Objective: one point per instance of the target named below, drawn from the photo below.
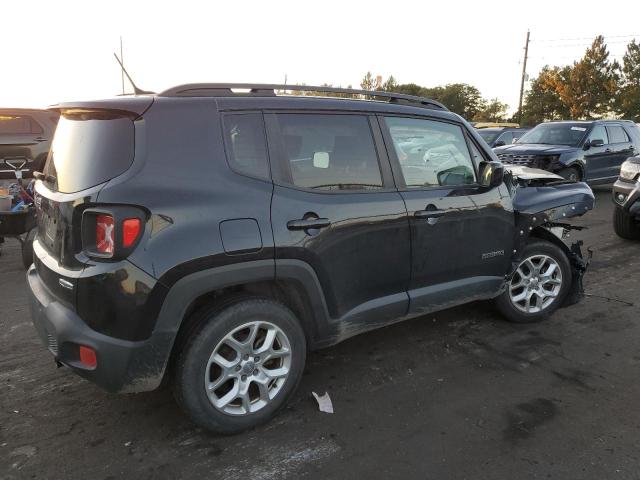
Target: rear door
(621, 149)
(461, 233)
(335, 208)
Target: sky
(60, 50)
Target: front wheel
(625, 225)
(240, 365)
(539, 285)
(571, 174)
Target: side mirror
(491, 174)
(596, 142)
(499, 143)
(321, 160)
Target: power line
(583, 38)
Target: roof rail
(269, 90)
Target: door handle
(40, 139)
(308, 223)
(429, 213)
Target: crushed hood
(533, 149)
(527, 173)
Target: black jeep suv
(586, 150)
(25, 138)
(213, 236)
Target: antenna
(136, 90)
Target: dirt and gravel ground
(459, 394)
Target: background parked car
(626, 196)
(576, 150)
(500, 136)
(25, 138)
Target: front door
(461, 233)
(599, 158)
(335, 208)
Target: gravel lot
(459, 394)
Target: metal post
(524, 74)
(122, 69)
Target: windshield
(89, 149)
(570, 134)
(488, 135)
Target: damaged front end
(543, 202)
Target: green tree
(542, 101)
(493, 111)
(460, 98)
(591, 85)
(369, 82)
(390, 85)
(628, 101)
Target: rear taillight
(130, 231)
(112, 232)
(105, 234)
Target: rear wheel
(27, 248)
(240, 365)
(538, 286)
(572, 174)
(625, 225)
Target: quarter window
(246, 145)
(617, 134)
(431, 153)
(330, 152)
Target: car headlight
(629, 170)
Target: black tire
(27, 249)
(625, 225)
(504, 302)
(208, 330)
(572, 174)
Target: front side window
(599, 133)
(617, 134)
(431, 153)
(330, 152)
(506, 138)
(246, 145)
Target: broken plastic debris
(324, 402)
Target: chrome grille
(516, 159)
(52, 343)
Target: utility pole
(122, 69)
(524, 75)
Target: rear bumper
(122, 365)
(627, 196)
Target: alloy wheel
(536, 284)
(248, 368)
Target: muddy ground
(459, 394)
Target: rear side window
(431, 153)
(617, 134)
(89, 149)
(330, 152)
(18, 125)
(506, 137)
(245, 143)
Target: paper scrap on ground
(324, 402)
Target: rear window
(18, 125)
(89, 149)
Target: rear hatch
(90, 147)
